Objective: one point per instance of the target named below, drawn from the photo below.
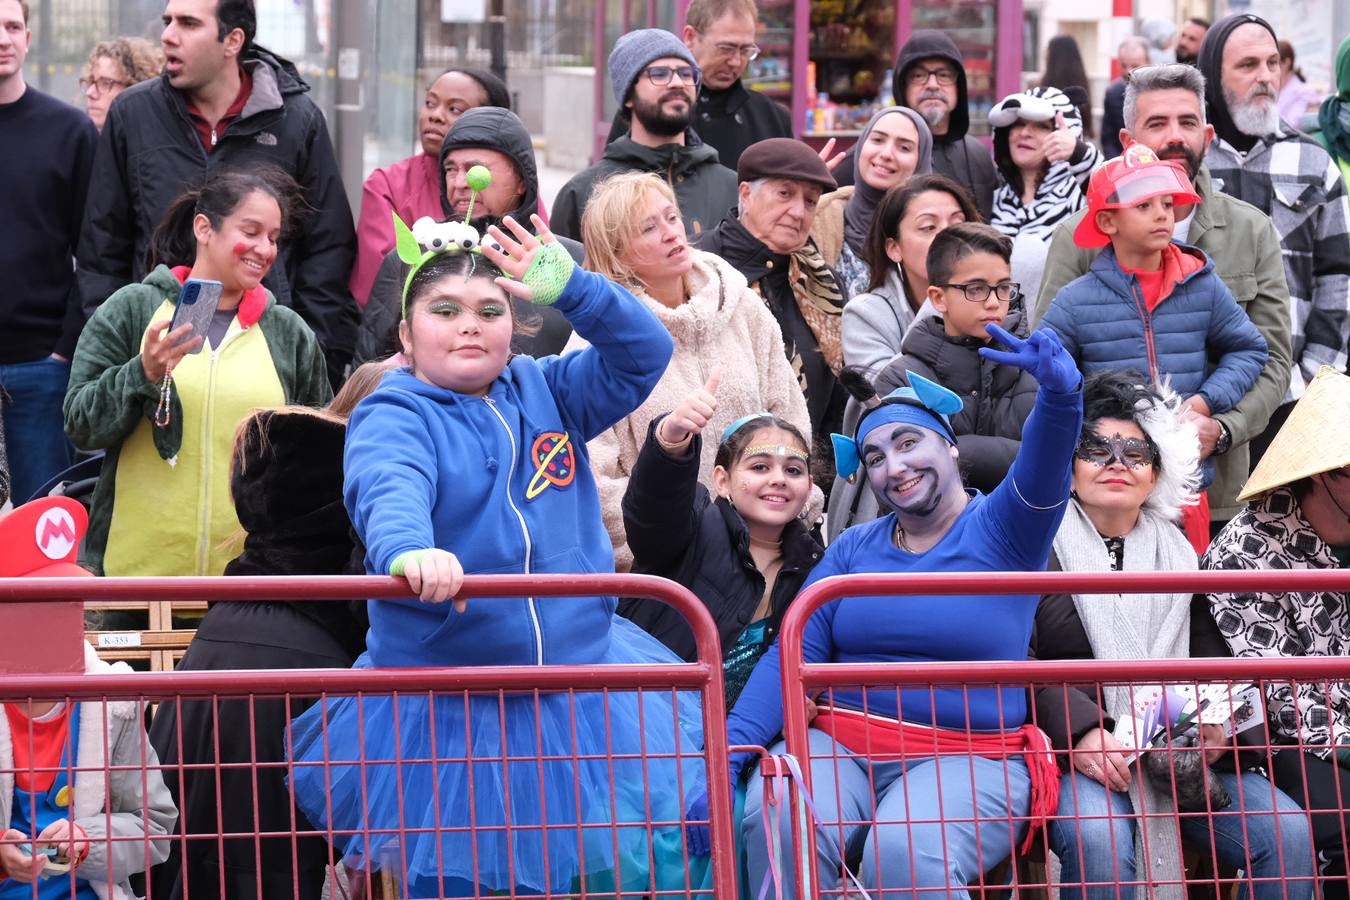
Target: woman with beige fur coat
(726, 340)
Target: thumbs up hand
(1060, 143)
(691, 416)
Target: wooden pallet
(150, 635)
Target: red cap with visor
(1127, 181)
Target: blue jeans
(1264, 833)
(930, 843)
(35, 432)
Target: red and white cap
(1127, 180)
(41, 539)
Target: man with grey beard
(1274, 167)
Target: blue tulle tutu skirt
(532, 793)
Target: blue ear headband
(741, 423)
(924, 403)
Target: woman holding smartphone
(167, 369)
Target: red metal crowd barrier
(213, 691)
(1202, 867)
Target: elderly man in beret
(768, 239)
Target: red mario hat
(1132, 178)
(41, 539)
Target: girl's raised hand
(164, 349)
(537, 267)
(692, 415)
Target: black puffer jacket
(492, 128)
(704, 187)
(997, 398)
(149, 153)
(677, 531)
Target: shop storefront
(831, 61)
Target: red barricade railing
(253, 686)
(821, 680)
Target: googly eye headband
(428, 239)
(924, 403)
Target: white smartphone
(197, 303)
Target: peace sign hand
(1041, 354)
(537, 267)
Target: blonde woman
(727, 343)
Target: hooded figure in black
(956, 154)
(286, 482)
(1210, 64)
(492, 129)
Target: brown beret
(784, 158)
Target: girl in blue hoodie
(474, 460)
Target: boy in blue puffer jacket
(1151, 304)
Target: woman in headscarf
(1333, 119)
(1299, 519)
(1136, 464)
(895, 145)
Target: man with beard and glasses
(1274, 167)
(1164, 110)
(730, 116)
(655, 79)
(930, 78)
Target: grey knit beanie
(634, 52)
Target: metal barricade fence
(915, 814)
(626, 846)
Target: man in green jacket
(1165, 110)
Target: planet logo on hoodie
(552, 454)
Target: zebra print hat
(1038, 104)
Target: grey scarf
(1136, 626)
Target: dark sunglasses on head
(1133, 453)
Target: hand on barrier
(1099, 756)
(1041, 354)
(697, 831)
(691, 416)
(434, 574)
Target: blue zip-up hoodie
(1101, 319)
(428, 467)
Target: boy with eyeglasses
(1151, 304)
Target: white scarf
(1136, 626)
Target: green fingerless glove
(401, 561)
(548, 274)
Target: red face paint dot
(240, 248)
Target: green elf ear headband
(428, 239)
(924, 403)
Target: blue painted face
(911, 469)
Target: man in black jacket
(1132, 54)
(222, 102)
(728, 116)
(654, 78)
(930, 78)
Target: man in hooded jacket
(660, 139)
(496, 133)
(157, 143)
(942, 97)
(1274, 167)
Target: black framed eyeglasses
(920, 75)
(104, 84)
(662, 75)
(979, 291)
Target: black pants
(1322, 788)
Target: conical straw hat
(1315, 438)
